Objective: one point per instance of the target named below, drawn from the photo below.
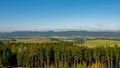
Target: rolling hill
(60, 33)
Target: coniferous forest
(58, 55)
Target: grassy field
(100, 42)
(28, 40)
(33, 40)
(89, 43)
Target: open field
(87, 42)
(100, 42)
(28, 40)
(33, 40)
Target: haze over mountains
(27, 15)
(59, 33)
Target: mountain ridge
(59, 33)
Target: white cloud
(98, 28)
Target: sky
(56, 15)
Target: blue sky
(40, 15)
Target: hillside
(60, 33)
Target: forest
(58, 55)
(28, 34)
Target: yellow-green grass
(101, 42)
(33, 40)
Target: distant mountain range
(60, 33)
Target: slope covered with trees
(60, 33)
(58, 55)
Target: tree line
(58, 55)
